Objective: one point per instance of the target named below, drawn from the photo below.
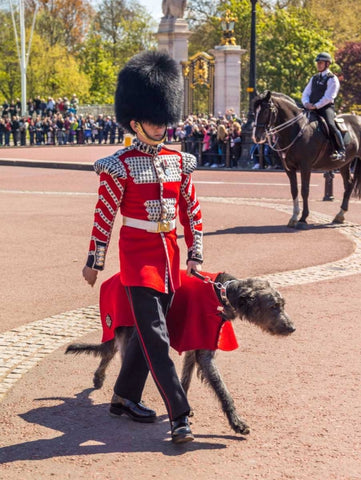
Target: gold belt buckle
(163, 227)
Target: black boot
(181, 432)
(136, 411)
(340, 153)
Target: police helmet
(323, 57)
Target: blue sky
(154, 7)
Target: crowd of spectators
(55, 122)
(215, 141)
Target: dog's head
(258, 302)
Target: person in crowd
(2, 131)
(196, 139)
(254, 154)
(39, 134)
(80, 130)
(15, 130)
(236, 143)
(37, 103)
(210, 148)
(320, 94)
(100, 126)
(73, 125)
(222, 139)
(60, 129)
(66, 105)
(112, 130)
(13, 111)
(87, 130)
(23, 128)
(5, 109)
(67, 126)
(106, 131)
(32, 131)
(8, 128)
(31, 107)
(152, 185)
(74, 103)
(50, 107)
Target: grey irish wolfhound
(251, 299)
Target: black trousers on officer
(328, 113)
(148, 350)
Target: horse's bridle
(271, 131)
(271, 117)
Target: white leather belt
(154, 227)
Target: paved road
(45, 223)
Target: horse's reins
(222, 287)
(271, 132)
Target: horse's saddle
(339, 122)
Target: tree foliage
(80, 45)
(288, 45)
(75, 49)
(349, 59)
(63, 22)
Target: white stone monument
(173, 31)
(227, 78)
(227, 73)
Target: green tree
(97, 64)
(9, 61)
(287, 48)
(125, 29)
(54, 72)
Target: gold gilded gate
(198, 75)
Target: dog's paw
(98, 382)
(241, 427)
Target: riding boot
(340, 153)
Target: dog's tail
(98, 350)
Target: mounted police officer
(320, 94)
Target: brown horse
(301, 141)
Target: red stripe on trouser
(147, 356)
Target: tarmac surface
(300, 395)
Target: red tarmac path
(300, 395)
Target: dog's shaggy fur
(250, 299)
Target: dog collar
(222, 287)
(223, 291)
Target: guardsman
(151, 185)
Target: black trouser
(328, 113)
(148, 350)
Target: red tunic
(152, 184)
(194, 320)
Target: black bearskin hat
(149, 89)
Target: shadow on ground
(88, 429)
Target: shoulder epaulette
(189, 163)
(111, 165)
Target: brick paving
(23, 347)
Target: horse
(301, 140)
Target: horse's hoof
(302, 226)
(338, 220)
(292, 223)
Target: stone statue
(174, 8)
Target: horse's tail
(357, 178)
